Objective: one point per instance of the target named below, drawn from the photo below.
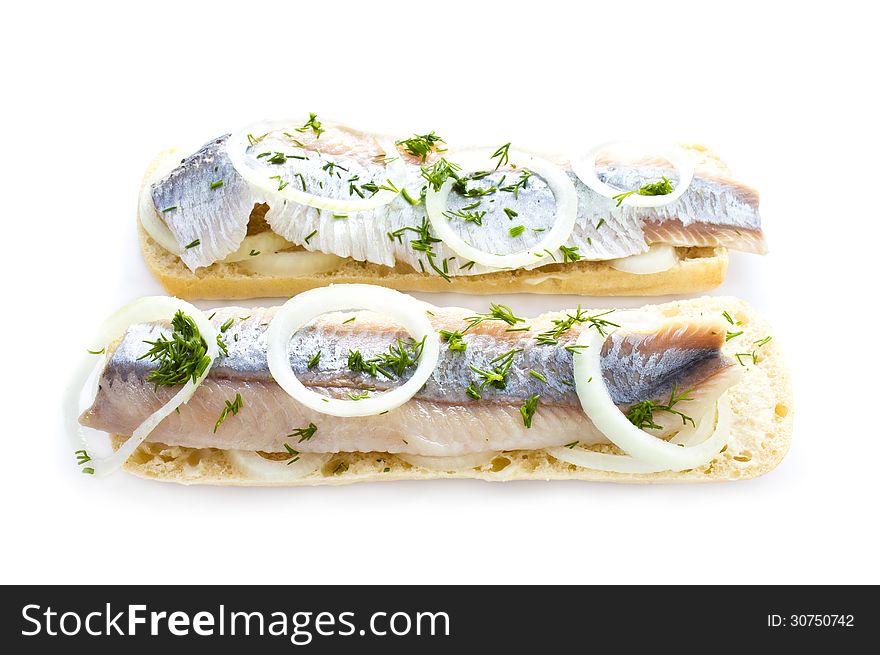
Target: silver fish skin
(208, 222)
(441, 419)
(712, 212)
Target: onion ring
(566, 211)
(236, 149)
(145, 310)
(659, 257)
(260, 468)
(298, 311)
(453, 463)
(584, 166)
(717, 435)
(610, 421)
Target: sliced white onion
(238, 144)
(714, 435)
(584, 166)
(257, 467)
(535, 281)
(610, 421)
(298, 311)
(262, 243)
(145, 310)
(660, 257)
(153, 223)
(692, 435)
(563, 192)
(298, 262)
(457, 463)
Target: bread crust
(761, 405)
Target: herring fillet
(441, 420)
(712, 212)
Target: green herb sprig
(661, 187)
(182, 357)
(642, 414)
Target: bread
(698, 270)
(761, 405)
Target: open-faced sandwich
(349, 383)
(285, 206)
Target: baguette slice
(761, 404)
(698, 269)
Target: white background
(787, 94)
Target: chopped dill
(569, 254)
(454, 339)
(420, 145)
(642, 414)
(82, 457)
(293, 455)
(181, 357)
(528, 409)
(314, 124)
(230, 408)
(561, 326)
(440, 171)
(304, 434)
(497, 312)
(661, 187)
(502, 154)
(314, 360)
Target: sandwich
(351, 383)
(285, 206)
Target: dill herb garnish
(82, 457)
(314, 124)
(497, 376)
(281, 183)
(563, 325)
(440, 171)
(454, 339)
(521, 183)
(292, 455)
(528, 409)
(193, 244)
(420, 145)
(503, 155)
(569, 254)
(496, 312)
(468, 216)
(230, 408)
(182, 357)
(661, 187)
(314, 360)
(304, 434)
(400, 356)
(642, 414)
